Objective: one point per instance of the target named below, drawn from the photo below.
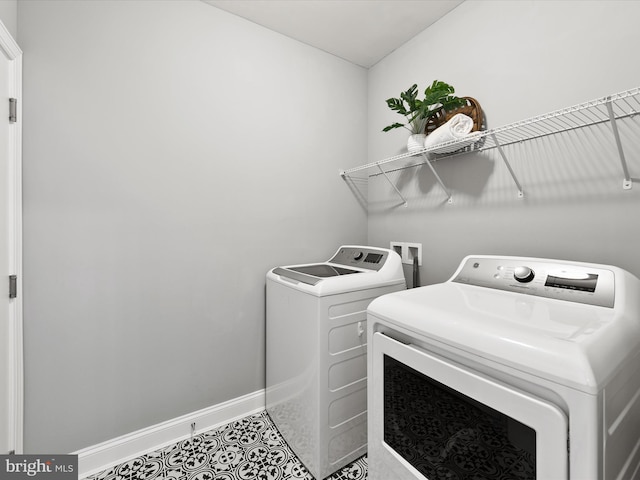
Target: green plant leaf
(451, 102)
(391, 127)
(397, 105)
(410, 96)
(437, 96)
(437, 91)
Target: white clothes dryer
(316, 352)
(515, 368)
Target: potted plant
(437, 96)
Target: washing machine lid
(351, 268)
(573, 343)
(314, 273)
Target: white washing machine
(316, 352)
(515, 368)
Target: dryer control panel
(569, 281)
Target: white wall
(172, 154)
(518, 59)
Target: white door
(10, 252)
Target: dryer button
(523, 274)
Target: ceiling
(360, 31)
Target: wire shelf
(603, 110)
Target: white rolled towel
(457, 128)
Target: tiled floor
(248, 449)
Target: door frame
(13, 53)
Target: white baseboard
(96, 458)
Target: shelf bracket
(392, 184)
(506, 162)
(627, 183)
(435, 174)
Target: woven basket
(471, 109)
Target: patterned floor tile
(247, 449)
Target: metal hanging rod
(626, 183)
(508, 165)
(404, 201)
(435, 174)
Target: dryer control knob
(523, 274)
(358, 255)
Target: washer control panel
(361, 257)
(573, 282)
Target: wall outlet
(396, 247)
(407, 251)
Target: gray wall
(9, 16)
(172, 154)
(518, 59)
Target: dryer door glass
(441, 432)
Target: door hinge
(13, 286)
(13, 110)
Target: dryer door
(430, 418)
